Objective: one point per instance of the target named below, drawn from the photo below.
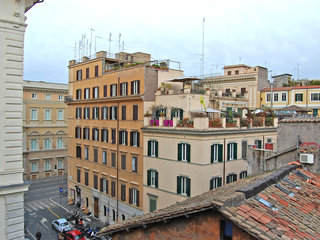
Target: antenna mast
(202, 48)
(119, 42)
(110, 44)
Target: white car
(61, 224)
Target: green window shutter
(181, 114)
(235, 177)
(179, 185)
(228, 151)
(148, 177)
(235, 150)
(188, 187)
(149, 148)
(296, 97)
(212, 147)
(211, 184)
(171, 115)
(220, 152)
(188, 152)
(219, 182)
(156, 146)
(138, 197)
(179, 152)
(228, 179)
(157, 176)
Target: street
(40, 209)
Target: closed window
(231, 178)
(123, 137)
(47, 143)
(86, 178)
(268, 97)
(78, 175)
(152, 178)
(244, 149)
(96, 71)
(86, 113)
(86, 93)
(104, 135)
(231, 151)
(104, 157)
(134, 164)
(34, 167)
(183, 185)
(34, 114)
(34, 96)
(276, 97)
(123, 192)
(34, 144)
(95, 113)
(60, 164)
(95, 134)
(113, 188)
(87, 73)
(113, 113)
(60, 144)
(124, 113)
(152, 204)
(79, 75)
(113, 90)
(184, 152)
(135, 139)
(134, 196)
(78, 94)
(78, 112)
(124, 89)
(47, 165)
(315, 96)
(78, 151)
(298, 97)
(95, 92)
(153, 148)
(215, 182)
(113, 159)
(104, 113)
(135, 87)
(48, 96)
(47, 114)
(258, 143)
(105, 90)
(60, 114)
(123, 162)
(95, 155)
(243, 174)
(284, 97)
(86, 153)
(135, 112)
(86, 133)
(95, 181)
(113, 136)
(216, 153)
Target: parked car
(61, 224)
(75, 235)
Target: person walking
(38, 235)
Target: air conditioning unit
(306, 158)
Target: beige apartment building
(242, 80)
(45, 129)
(107, 102)
(189, 151)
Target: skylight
(296, 186)
(266, 203)
(286, 191)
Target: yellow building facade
(107, 102)
(301, 96)
(45, 129)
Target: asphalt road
(39, 210)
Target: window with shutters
(284, 97)
(95, 92)
(86, 178)
(243, 174)
(231, 178)
(113, 113)
(152, 178)
(86, 153)
(276, 97)
(134, 164)
(106, 186)
(78, 132)
(152, 203)
(105, 90)
(124, 89)
(123, 113)
(298, 97)
(104, 157)
(134, 196)
(113, 188)
(232, 151)
(104, 135)
(79, 75)
(177, 112)
(113, 136)
(113, 90)
(184, 152)
(86, 93)
(95, 113)
(78, 152)
(135, 112)
(78, 94)
(268, 97)
(258, 143)
(135, 139)
(104, 113)
(101, 184)
(244, 149)
(216, 153)
(153, 148)
(86, 133)
(95, 155)
(95, 181)
(183, 185)
(215, 182)
(123, 137)
(123, 162)
(87, 73)
(123, 192)
(96, 71)
(135, 87)
(86, 113)
(95, 134)
(78, 175)
(113, 159)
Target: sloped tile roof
(289, 88)
(280, 205)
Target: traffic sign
(61, 188)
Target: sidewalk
(91, 220)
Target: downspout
(117, 136)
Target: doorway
(96, 207)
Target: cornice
(36, 89)
(108, 99)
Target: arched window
(47, 144)
(34, 144)
(60, 143)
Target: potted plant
(190, 123)
(147, 114)
(162, 114)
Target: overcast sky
(282, 35)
